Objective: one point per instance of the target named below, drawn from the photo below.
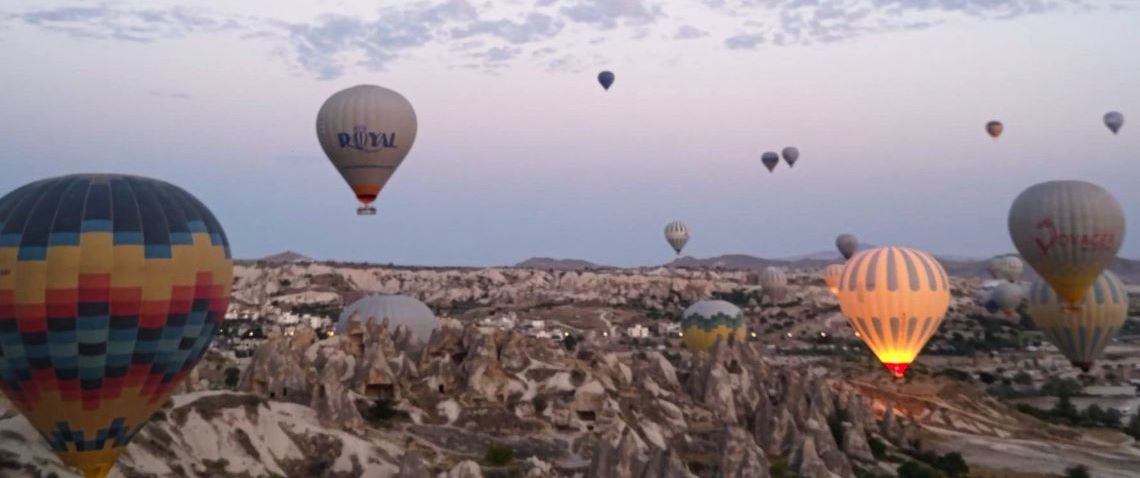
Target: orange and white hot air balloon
(831, 276)
(894, 298)
(366, 131)
(1068, 231)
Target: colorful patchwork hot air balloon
(1068, 231)
(677, 234)
(708, 320)
(366, 131)
(111, 289)
(831, 276)
(1081, 334)
(894, 298)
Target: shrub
(570, 342)
(1079, 471)
(914, 469)
(382, 410)
(232, 376)
(499, 455)
(878, 448)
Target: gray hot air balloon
(774, 281)
(1006, 297)
(1006, 267)
(1114, 120)
(397, 309)
(606, 78)
(791, 154)
(770, 160)
(847, 244)
(1069, 231)
(677, 234)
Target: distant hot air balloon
(1081, 334)
(396, 309)
(994, 128)
(1068, 231)
(774, 281)
(1006, 297)
(831, 276)
(112, 288)
(1114, 120)
(847, 245)
(894, 298)
(791, 154)
(1007, 267)
(366, 131)
(770, 160)
(606, 78)
(677, 234)
(708, 320)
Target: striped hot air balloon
(708, 320)
(1068, 231)
(774, 281)
(677, 234)
(895, 298)
(1080, 334)
(831, 276)
(111, 289)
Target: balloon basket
(365, 211)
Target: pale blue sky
(520, 153)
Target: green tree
(1023, 378)
(953, 465)
(1079, 471)
(914, 469)
(1133, 427)
(499, 455)
(382, 410)
(232, 376)
(878, 448)
(1065, 409)
(570, 342)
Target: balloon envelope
(606, 78)
(112, 289)
(366, 131)
(774, 281)
(1068, 231)
(708, 320)
(1006, 267)
(847, 245)
(1114, 120)
(791, 154)
(1082, 333)
(895, 298)
(994, 128)
(396, 309)
(677, 235)
(831, 276)
(1006, 297)
(770, 160)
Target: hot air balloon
(606, 78)
(774, 281)
(366, 131)
(831, 276)
(1114, 120)
(1068, 231)
(112, 288)
(770, 160)
(791, 154)
(847, 245)
(1081, 334)
(396, 309)
(1006, 267)
(708, 320)
(994, 128)
(677, 234)
(1006, 297)
(894, 298)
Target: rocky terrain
(478, 400)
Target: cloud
(328, 45)
(744, 41)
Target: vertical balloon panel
(111, 289)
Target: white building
(637, 331)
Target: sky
(521, 153)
